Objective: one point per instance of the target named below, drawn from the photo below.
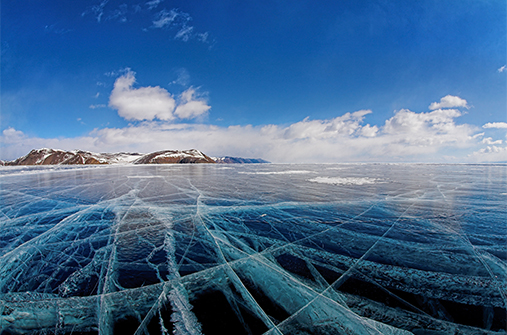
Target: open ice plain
(254, 249)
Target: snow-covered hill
(47, 156)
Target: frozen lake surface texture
(254, 249)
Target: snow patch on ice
(345, 180)
(278, 172)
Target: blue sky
(287, 81)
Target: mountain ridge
(46, 156)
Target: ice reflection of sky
(254, 249)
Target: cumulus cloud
(410, 123)
(449, 101)
(347, 124)
(489, 141)
(14, 143)
(190, 106)
(149, 103)
(500, 125)
(491, 153)
(368, 131)
(407, 136)
(11, 135)
(413, 134)
(144, 103)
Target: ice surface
(254, 249)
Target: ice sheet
(254, 249)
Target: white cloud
(449, 101)
(97, 106)
(11, 135)
(185, 33)
(96, 10)
(173, 20)
(119, 14)
(178, 21)
(16, 144)
(145, 103)
(149, 103)
(183, 77)
(491, 153)
(54, 29)
(416, 127)
(406, 136)
(165, 18)
(489, 141)
(189, 106)
(368, 131)
(153, 4)
(100, 13)
(502, 69)
(203, 37)
(347, 124)
(500, 125)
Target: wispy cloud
(119, 14)
(98, 106)
(174, 20)
(153, 4)
(166, 18)
(203, 37)
(183, 78)
(185, 33)
(54, 29)
(96, 10)
(100, 13)
(180, 22)
(502, 69)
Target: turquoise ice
(254, 249)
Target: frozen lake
(254, 249)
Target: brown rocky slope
(79, 157)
